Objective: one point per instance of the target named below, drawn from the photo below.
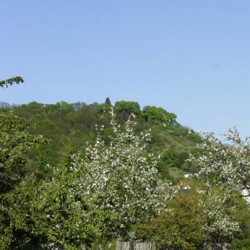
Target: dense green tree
(179, 226)
(159, 116)
(15, 169)
(16, 142)
(240, 212)
(125, 109)
(61, 213)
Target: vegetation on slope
(72, 175)
(69, 127)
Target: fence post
(131, 245)
(118, 244)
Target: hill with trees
(80, 176)
(69, 127)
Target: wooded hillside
(69, 127)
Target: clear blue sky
(191, 57)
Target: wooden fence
(133, 245)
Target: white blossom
(121, 178)
(226, 163)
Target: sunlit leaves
(16, 143)
(9, 82)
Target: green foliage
(16, 142)
(69, 126)
(61, 214)
(179, 226)
(174, 158)
(125, 109)
(241, 244)
(241, 213)
(11, 81)
(159, 116)
(15, 170)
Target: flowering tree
(122, 179)
(227, 164)
(106, 193)
(220, 224)
(224, 169)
